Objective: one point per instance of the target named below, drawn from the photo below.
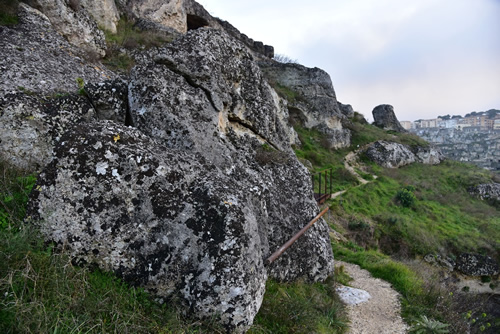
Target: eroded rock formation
(311, 99)
(162, 176)
(385, 118)
(477, 265)
(394, 155)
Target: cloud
(426, 57)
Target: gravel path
(380, 314)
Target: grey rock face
(110, 100)
(31, 125)
(188, 204)
(314, 104)
(473, 145)
(159, 218)
(490, 191)
(346, 110)
(385, 118)
(477, 265)
(394, 155)
(74, 23)
(34, 56)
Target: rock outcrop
(187, 202)
(477, 265)
(311, 99)
(73, 22)
(489, 191)
(394, 155)
(385, 118)
(473, 145)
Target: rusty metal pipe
(290, 242)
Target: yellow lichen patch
(116, 138)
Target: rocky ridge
(179, 177)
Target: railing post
(331, 180)
(319, 190)
(326, 183)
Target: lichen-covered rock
(429, 155)
(385, 118)
(160, 218)
(488, 191)
(31, 125)
(110, 100)
(73, 22)
(191, 202)
(311, 99)
(394, 155)
(389, 154)
(35, 57)
(477, 265)
(221, 76)
(346, 110)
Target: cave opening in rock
(195, 22)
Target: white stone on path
(352, 296)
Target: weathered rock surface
(31, 125)
(35, 57)
(104, 12)
(473, 145)
(313, 102)
(477, 265)
(110, 100)
(489, 191)
(346, 110)
(188, 204)
(73, 22)
(442, 261)
(394, 155)
(385, 118)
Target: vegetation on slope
(410, 212)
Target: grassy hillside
(407, 213)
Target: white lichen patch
(100, 167)
(114, 172)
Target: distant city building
(496, 124)
(407, 125)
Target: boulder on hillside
(394, 155)
(311, 99)
(488, 191)
(385, 118)
(477, 265)
(191, 202)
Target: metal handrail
(322, 197)
(290, 242)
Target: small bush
(284, 59)
(406, 197)
(429, 326)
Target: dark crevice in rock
(195, 22)
(247, 125)
(172, 66)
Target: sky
(424, 57)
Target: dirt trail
(382, 313)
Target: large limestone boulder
(394, 155)
(73, 22)
(311, 99)
(190, 203)
(385, 118)
(162, 219)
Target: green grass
(300, 308)
(129, 37)
(8, 12)
(443, 217)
